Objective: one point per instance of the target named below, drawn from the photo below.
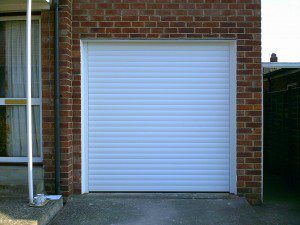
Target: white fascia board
(281, 64)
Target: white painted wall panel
(158, 116)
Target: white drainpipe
(29, 124)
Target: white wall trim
(84, 102)
(233, 127)
(84, 117)
(208, 41)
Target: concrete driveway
(156, 209)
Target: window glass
(13, 59)
(13, 127)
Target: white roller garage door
(157, 116)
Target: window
(13, 128)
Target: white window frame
(232, 43)
(35, 101)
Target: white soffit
(20, 5)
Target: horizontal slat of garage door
(158, 116)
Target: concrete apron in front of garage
(16, 211)
(156, 209)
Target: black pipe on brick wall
(56, 98)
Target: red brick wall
(47, 98)
(66, 113)
(66, 90)
(167, 19)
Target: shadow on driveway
(281, 202)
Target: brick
(115, 19)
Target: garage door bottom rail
(167, 195)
